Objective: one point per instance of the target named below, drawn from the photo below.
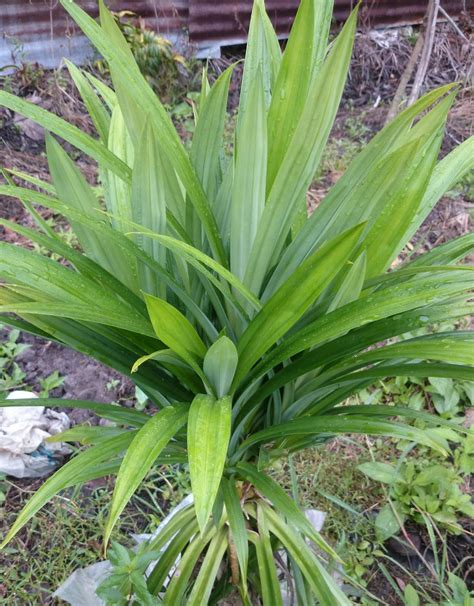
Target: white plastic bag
(23, 431)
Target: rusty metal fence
(42, 29)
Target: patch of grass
(63, 536)
(341, 150)
(328, 479)
(67, 533)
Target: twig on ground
(454, 24)
(407, 73)
(429, 36)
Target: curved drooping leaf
(399, 298)
(334, 425)
(125, 416)
(66, 131)
(75, 471)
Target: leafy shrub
(11, 375)
(127, 579)
(420, 488)
(245, 322)
(169, 73)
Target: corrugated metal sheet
(25, 18)
(226, 21)
(43, 31)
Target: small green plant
(127, 583)
(112, 384)
(246, 323)
(449, 397)
(419, 488)
(49, 383)
(168, 72)
(141, 399)
(11, 375)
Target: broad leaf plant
(246, 322)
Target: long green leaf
(130, 247)
(270, 585)
(238, 530)
(171, 552)
(179, 582)
(197, 258)
(206, 148)
(322, 584)
(83, 264)
(94, 106)
(209, 425)
(263, 52)
(57, 283)
(335, 425)
(301, 59)
(130, 416)
(67, 131)
(408, 295)
(204, 582)
(117, 192)
(302, 157)
(295, 296)
(146, 446)
(358, 340)
(248, 192)
(137, 98)
(149, 205)
(447, 173)
(72, 187)
(360, 183)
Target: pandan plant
(247, 323)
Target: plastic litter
(23, 431)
